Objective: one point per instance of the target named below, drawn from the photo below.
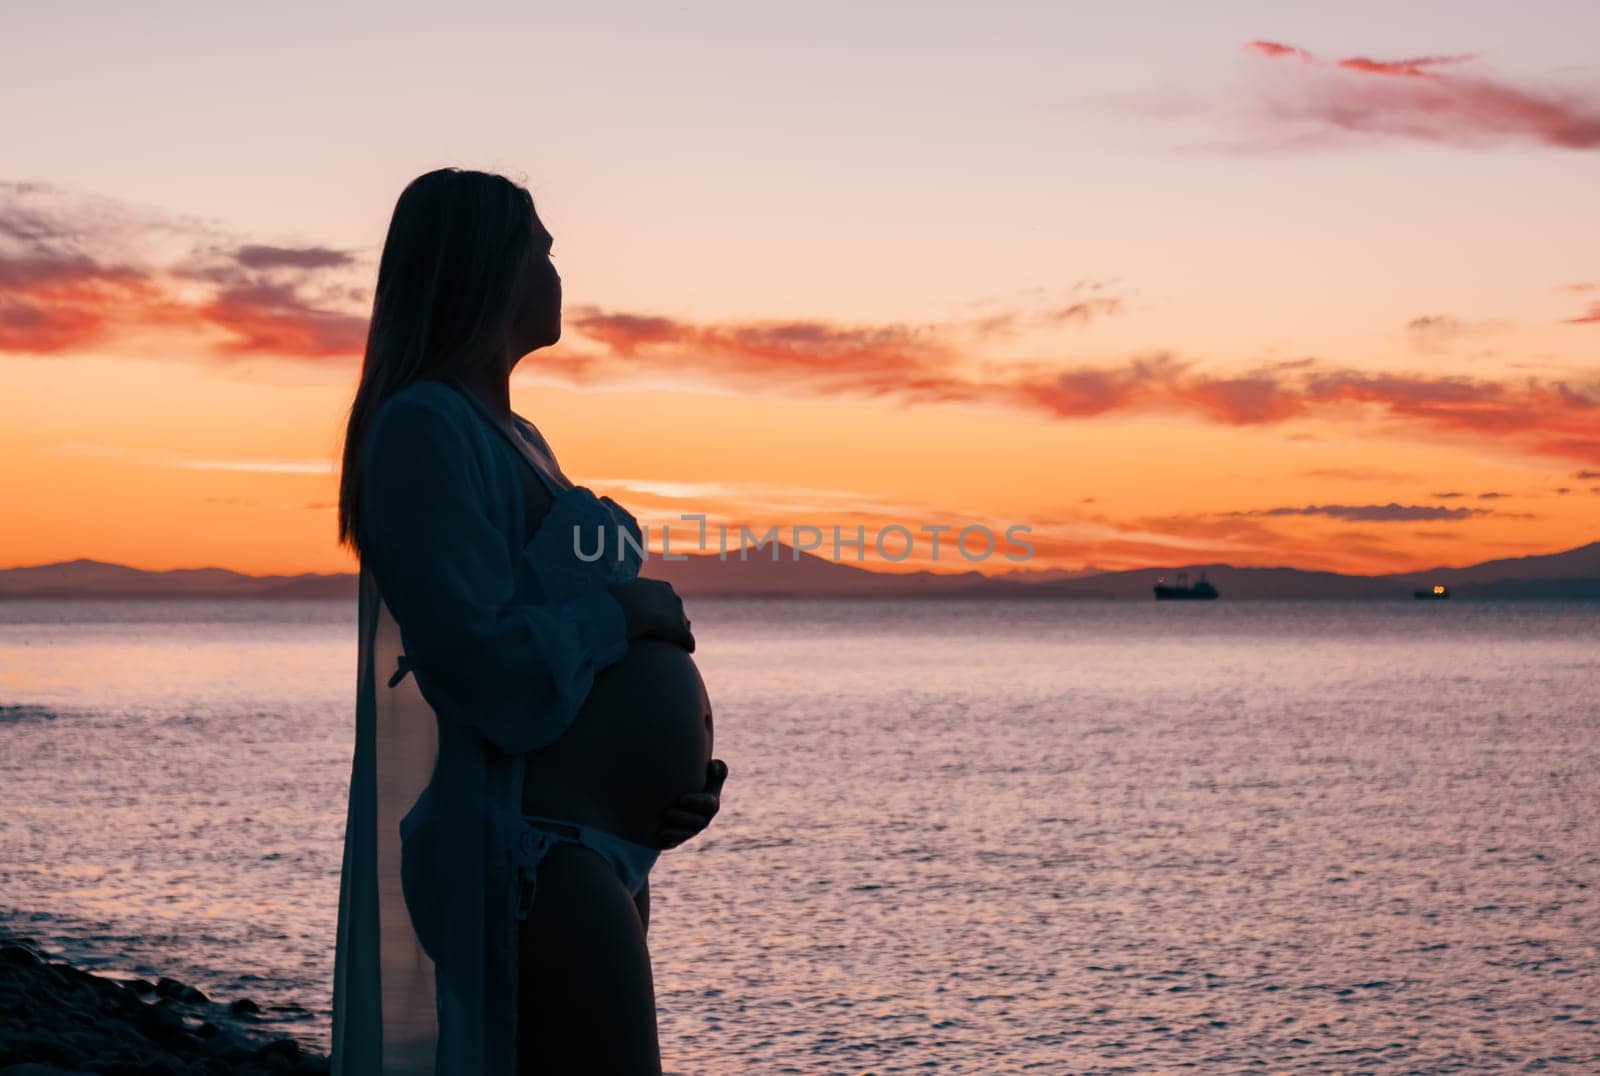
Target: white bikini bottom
(630, 861)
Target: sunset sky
(1261, 283)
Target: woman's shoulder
(424, 410)
(426, 394)
(424, 440)
(426, 433)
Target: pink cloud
(1276, 49)
(1430, 98)
(60, 292)
(924, 364)
(1418, 67)
(229, 298)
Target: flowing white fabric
(475, 646)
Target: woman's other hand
(693, 812)
(653, 611)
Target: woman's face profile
(536, 316)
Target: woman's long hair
(451, 267)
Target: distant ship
(1437, 592)
(1182, 591)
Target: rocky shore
(57, 1019)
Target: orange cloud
(1244, 539)
(50, 304)
(63, 304)
(1544, 416)
(1371, 513)
(229, 298)
(273, 319)
(1274, 48)
(826, 357)
(1428, 98)
(59, 290)
(1419, 67)
(1082, 312)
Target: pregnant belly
(641, 740)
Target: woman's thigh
(586, 1001)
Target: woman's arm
(641, 900)
(517, 672)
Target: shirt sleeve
(515, 671)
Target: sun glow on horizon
(1201, 295)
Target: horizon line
(1084, 571)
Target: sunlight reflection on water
(988, 837)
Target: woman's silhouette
(530, 729)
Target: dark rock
(72, 974)
(58, 1020)
(155, 1065)
(16, 954)
(137, 1065)
(165, 1028)
(171, 988)
(46, 1049)
(285, 1048)
(225, 1046)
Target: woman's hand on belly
(653, 610)
(693, 812)
(641, 744)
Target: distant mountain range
(98, 579)
(1574, 574)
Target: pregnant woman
(530, 730)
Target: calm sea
(958, 836)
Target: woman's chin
(539, 341)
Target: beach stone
(164, 1028)
(72, 974)
(158, 1065)
(16, 954)
(224, 1046)
(58, 1020)
(45, 1050)
(115, 1062)
(288, 1049)
(171, 988)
